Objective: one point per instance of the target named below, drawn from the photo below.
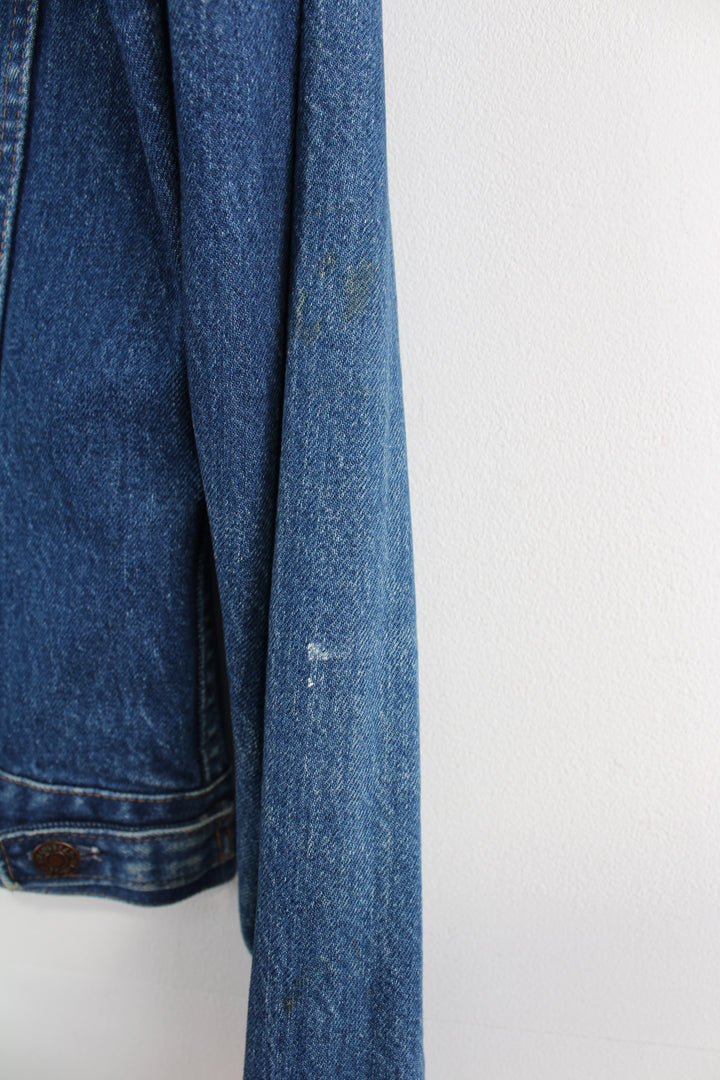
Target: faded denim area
(208, 653)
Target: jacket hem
(144, 849)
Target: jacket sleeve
(294, 378)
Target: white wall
(555, 188)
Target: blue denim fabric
(208, 654)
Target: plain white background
(555, 189)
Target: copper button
(56, 858)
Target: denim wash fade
(208, 653)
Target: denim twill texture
(208, 655)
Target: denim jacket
(208, 655)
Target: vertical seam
(17, 129)
(7, 72)
(201, 658)
(204, 659)
(7, 863)
(210, 734)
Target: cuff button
(55, 858)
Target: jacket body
(208, 656)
